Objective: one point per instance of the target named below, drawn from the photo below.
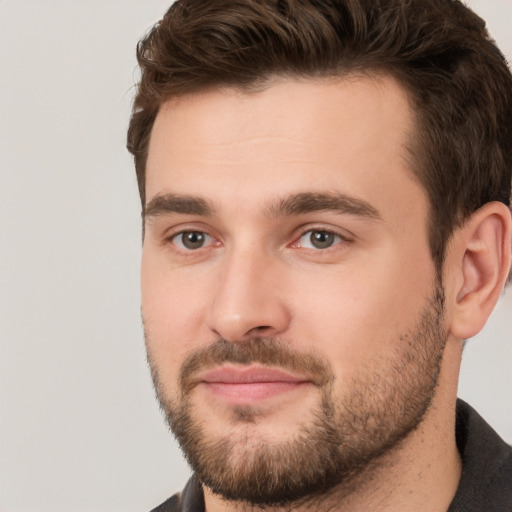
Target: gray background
(79, 428)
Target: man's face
(293, 322)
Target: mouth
(250, 384)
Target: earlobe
(483, 248)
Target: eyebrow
(307, 202)
(173, 203)
(296, 204)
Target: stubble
(338, 442)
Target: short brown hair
(457, 79)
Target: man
(325, 189)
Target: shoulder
(191, 499)
(173, 504)
(486, 480)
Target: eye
(319, 239)
(191, 240)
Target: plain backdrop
(80, 430)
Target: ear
(481, 262)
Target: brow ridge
(307, 202)
(296, 204)
(175, 203)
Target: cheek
(356, 317)
(173, 313)
(342, 327)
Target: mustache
(265, 351)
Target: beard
(340, 441)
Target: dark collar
(486, 480)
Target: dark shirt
(485, 484)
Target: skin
(258, 275)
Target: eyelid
(341, 234)
(214, 240)
(169, 231)
(173, 232)
(173, 239)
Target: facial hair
(339, 441)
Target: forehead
(349, 134)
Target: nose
(249, 299)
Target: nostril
(260, 330)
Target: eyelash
(172, 239)
(319, 230)
(339, 238)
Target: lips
(248, 385)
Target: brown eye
(191, 240)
